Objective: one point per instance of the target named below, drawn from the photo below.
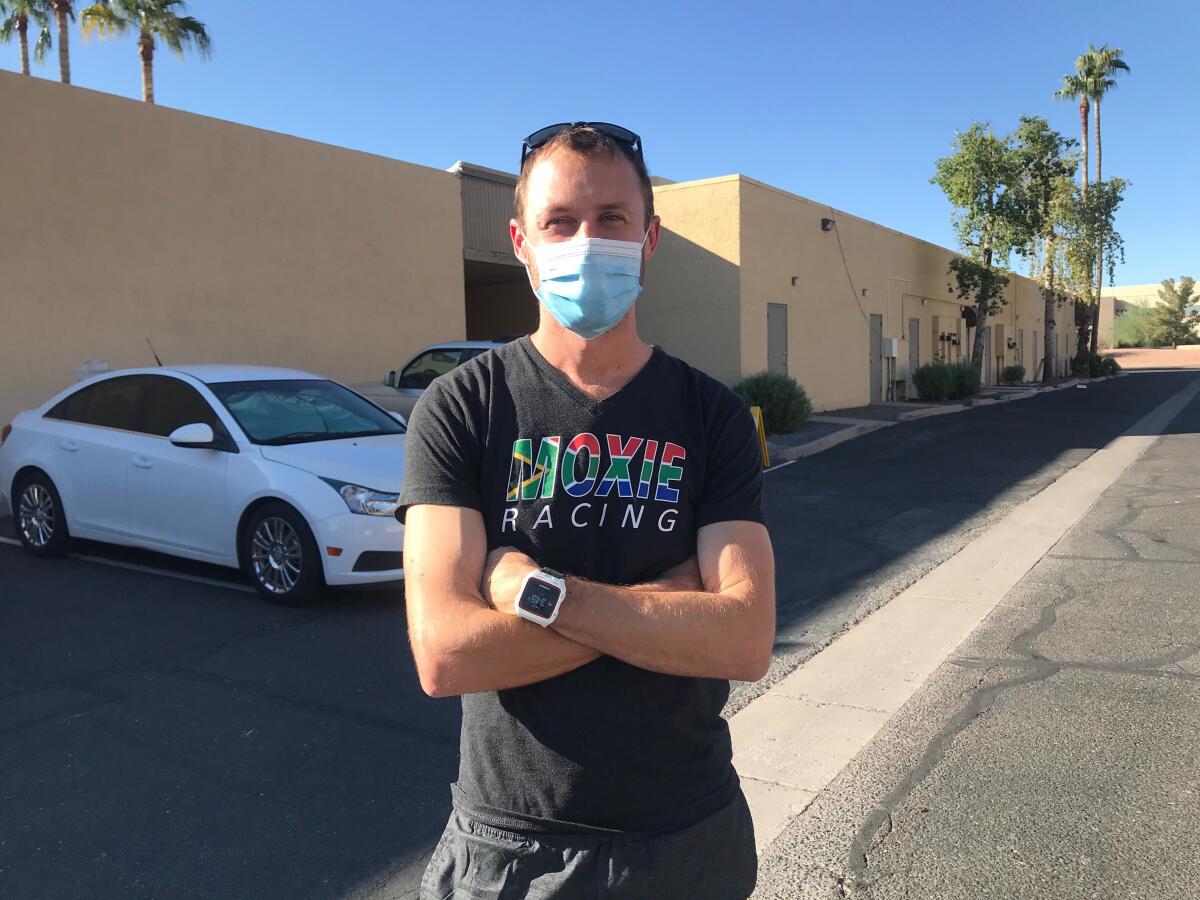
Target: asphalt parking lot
(167, 738)
(167, 734)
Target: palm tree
(17, 16)
(63, 11)
(152, 19)
(1099, 65)
(1075, 87)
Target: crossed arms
(712, 616)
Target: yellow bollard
(756, 413)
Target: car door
(419, 374)
(92, 432)
(177, 495)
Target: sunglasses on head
(543, 136)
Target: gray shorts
(713, 859)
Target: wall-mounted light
(795, 280)
(865, 292)
(924, 301)
(827, 224)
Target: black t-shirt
(613, 491)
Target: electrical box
(891, 348)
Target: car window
(471, 353)
(168, 403)
(302, 410)
(421, 371)
(111, 403)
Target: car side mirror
(197, 435)
(390, 379)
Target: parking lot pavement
(165, 738)
(1053, 755)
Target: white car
(400, 392)
(289, 476)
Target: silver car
(399, 391)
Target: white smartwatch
(541, 596)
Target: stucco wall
(220, 243)
(690, 305)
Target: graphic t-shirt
(613, 491)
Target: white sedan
(289, 476)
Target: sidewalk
(1053, 753)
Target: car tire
(280, 556)
(38, 516)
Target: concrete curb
(928, 411)
(791, 742)
(784, 453)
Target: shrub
(785, 405)
(1012, 374)
(1109, 365)
(1094, 364)
(966, 381)
(946, 381)
(934, 381)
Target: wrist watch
(541, 596)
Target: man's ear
(652, 234)
(520, 246)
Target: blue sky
(848, 103)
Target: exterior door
(876, 351)
(914, 353)
(1033, 372)
(777, 338)
(177, 495)
(987, 355)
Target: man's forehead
(562, 178)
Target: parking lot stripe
(150, 570)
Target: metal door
(914, 351)
(777, 338)
(876, 351)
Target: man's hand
(503, 573)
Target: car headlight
(364, 501)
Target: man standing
(586, 564)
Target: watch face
(539, 597)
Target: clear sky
(848, 103)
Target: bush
(1109, 366)
(1012, 374)
(785, 405)
(966, 381)
(946, 381)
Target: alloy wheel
(276, 556)
(36, 516)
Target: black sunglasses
(543, 136)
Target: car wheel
(280, 556)
(41, 524)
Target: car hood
(372, 462)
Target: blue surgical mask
(588, 284)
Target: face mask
(588, 284)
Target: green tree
(18, 16)
(153, 20)
(1098, 66)
(1047, 162)
(981, 179)
(1091, 223)
(1175, 318)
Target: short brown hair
(585, 141)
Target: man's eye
(613, 217)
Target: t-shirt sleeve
(443, 452)
(733, 472)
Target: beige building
(223, 243)
(124, 221)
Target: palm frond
(42, 44)
(102, 20)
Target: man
(587, 565)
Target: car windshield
(303, 410)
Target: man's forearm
(693, 633)
(479, 649)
